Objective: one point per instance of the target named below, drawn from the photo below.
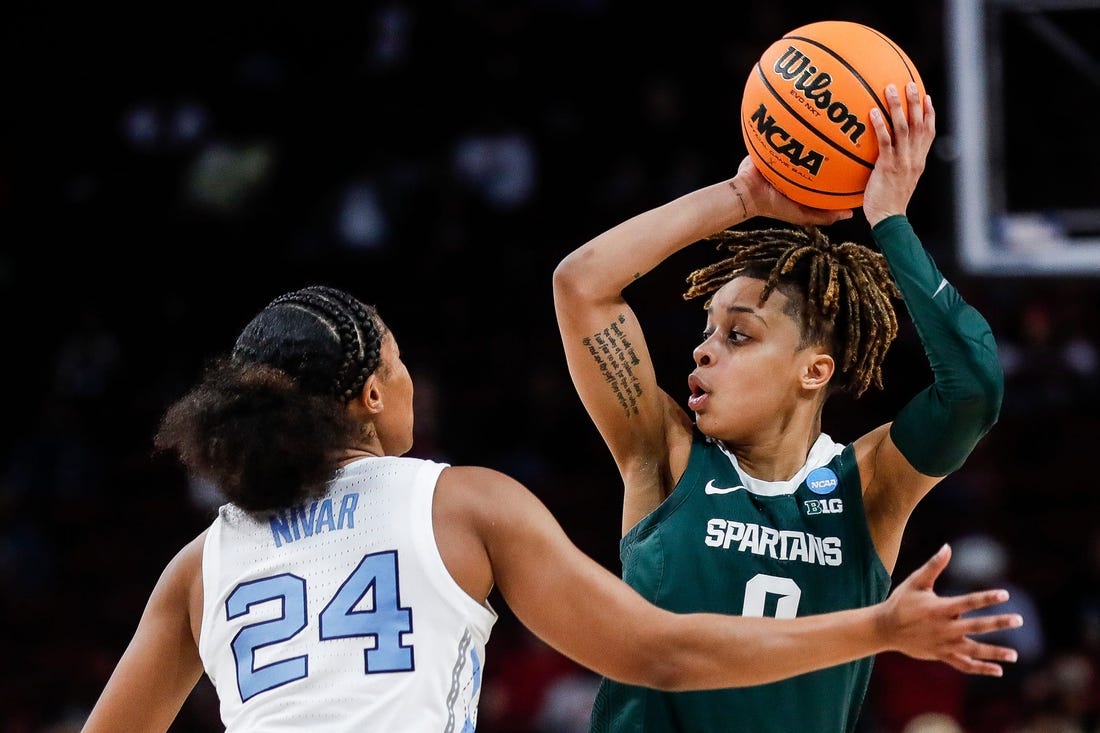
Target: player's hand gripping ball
(805, 114)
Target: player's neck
(350, 455)
(778, 455)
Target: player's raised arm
(934, 432)
(605, 349)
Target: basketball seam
(909, 68)
(855, 158)
(901, 54)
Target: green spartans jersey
(725, 542)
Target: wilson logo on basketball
(797, 66)
(781, 142)
(819, 81)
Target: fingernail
(911, 87)
(1002, 595)
(1012, 656)
(1017, 620)
(999, 672)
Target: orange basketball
(805, 115)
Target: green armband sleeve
(940, 426)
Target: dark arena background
(167, 169)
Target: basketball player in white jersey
(343, 587)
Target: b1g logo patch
(822, 481)
(823, 506)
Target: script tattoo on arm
(737, 191)
(615, 356)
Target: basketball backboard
(1024, 77)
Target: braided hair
(266, 422)
(840, 294)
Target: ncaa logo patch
(822, 481)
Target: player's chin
(717, 424)
(706, 423)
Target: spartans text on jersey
(778, 544)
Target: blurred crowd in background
(166, 171)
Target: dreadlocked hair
(266, 422)
(840, 294)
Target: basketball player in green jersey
(750, 508)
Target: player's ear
(817, 370)
(370, 398)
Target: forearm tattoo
(741, 198)
(613, 352)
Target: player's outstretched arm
(583, 610)
(923, 625)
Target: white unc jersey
(339, 614)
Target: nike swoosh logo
(943, 284)
(712, 489)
